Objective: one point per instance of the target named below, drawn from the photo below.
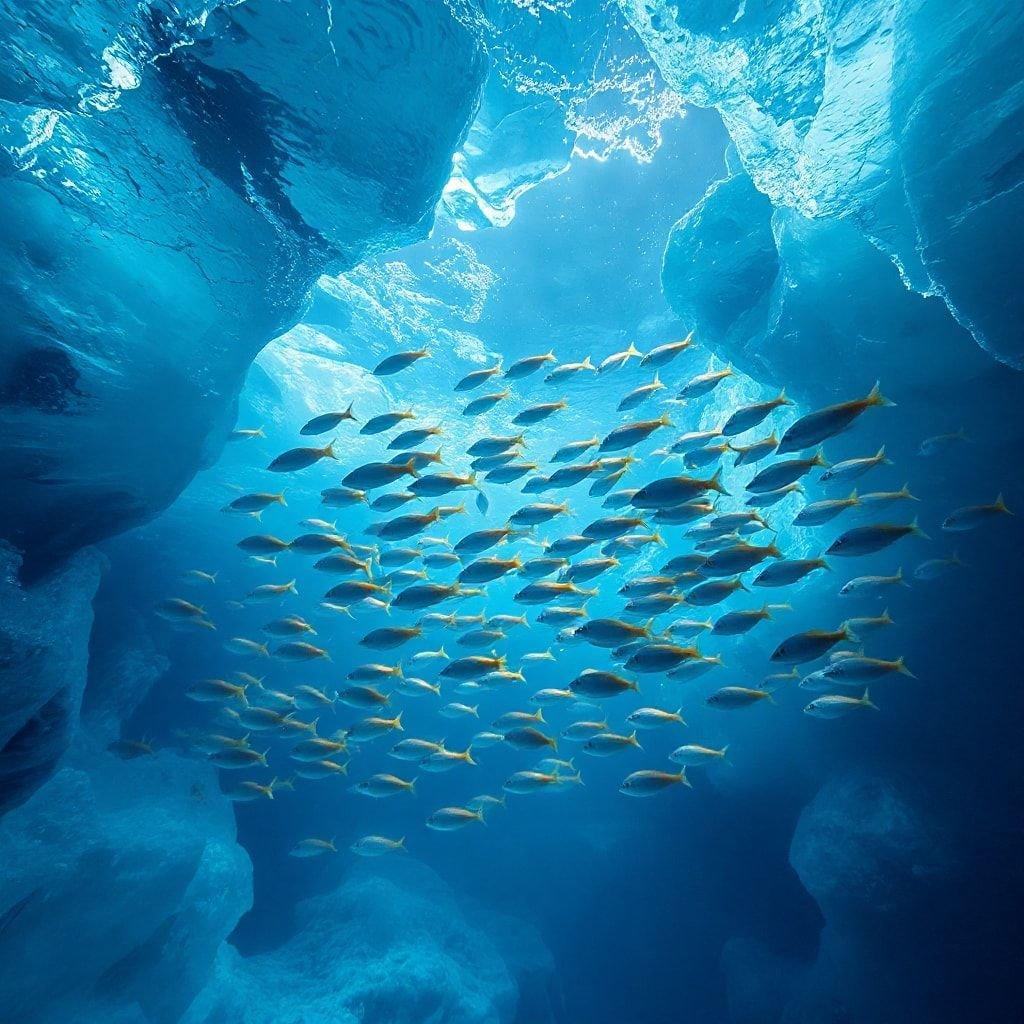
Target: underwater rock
(877, 864)
(781, 295)
(903, 124)
(120, 881)
(175, 179)
(44, 656)
(394, 949)
(758, 981)
(863, 847)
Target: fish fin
(1000, 505)
(587, 364)
(867, 701)
(875, 397)
(903, 670)
(917, 531)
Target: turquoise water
(206, 249)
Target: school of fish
(412, 586)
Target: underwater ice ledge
(172, 187)
(899, 120)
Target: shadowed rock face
(121, 880)
(44, 655)
(174, 181)
(900, 119)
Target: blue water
(224, 219)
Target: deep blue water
(202, 240)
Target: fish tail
(279, 498)
(875, 396)
(410, 468)
(903, 670)
(587, 364)
(715, 483)
(819, 459)
(290, 586)
(867, 701)
(1000, 505)
(917, 531)
(270, 788)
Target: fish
(740, 622)
(630, 434)
(940, 443)
(704, 383)
(372, 475)
(370, 728)
(475, 378)
(363, 697)
(392, 500)
(538, 413)
(234, 758)
(658, 657)
(301, 458)
(782, 474)
(530, 364)
(837, 705)
(748, 455)
(485, 403)
(199, 576)
(713, 591)
(574, 449)
(873, 584)
(662, 355)
(255, 502)
(384, 785)
(473, 666)
(693, 755)
(414, 687)
(373, 670)
(654, 718)
(323, 769)
(457, 710)
(244, 646)
(410, 439)
(342, 497)
(815, 427)
(377, 846)
(648, 782)
(527, 737)
(619, 359)
(271, 591)
(423, 595)
(810, 645)
(510, 472)
(737, 558)
(769, 498)
(670, 492)
(341, 564)
(610, 633)
(860, 668)
(299, 650)
(868, 624)
(537, 513)
(732, 697)
(817, 513)
(972, 516)
(313, 848)
(387, 637)
(569, 370)
(246, 434)
(445, 760)
(850, 469)
(787, 571)
(579, 732)
(866, 540)
(933, 568)
(749, 416)
(326, 422)
(291, 625)
(448, 819)
(486, 446)
(600, 684)
(552, 696)
(605, 744)
(399, 361)
(526, 782)
(882, 499)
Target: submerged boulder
(394, 949)
(120, 882)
